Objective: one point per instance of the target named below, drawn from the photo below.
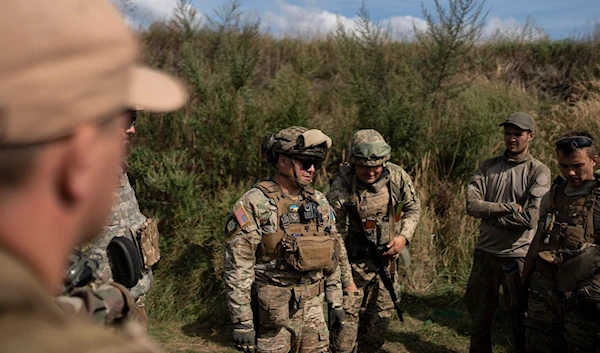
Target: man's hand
(244, 337)
(337, 315)
(351, 288)
(395, 247)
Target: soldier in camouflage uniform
(505, 193)
(563, 262)
(384, 192)
(126, 220)
(281, 246)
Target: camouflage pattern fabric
(32, 322)
(124, 220)
(368, 148)
(252, 216)
(544, 330)
(105, 305)
(561, 322)
(377, 307)
(481, 297)
(344, 339)
(285, 328)
(368, 313)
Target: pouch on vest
(308, 252)
(575, 238)
(383, 233)
(125, 261)
(147, 237)
(578, 266)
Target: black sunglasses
(574, 142)
(307, 163)
(132, 118)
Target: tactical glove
(337, 315)
(243, 337)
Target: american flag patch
(241, 216)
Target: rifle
(81, 272)
(375, 254)
(518, 303)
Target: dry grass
(434, 323)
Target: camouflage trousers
(555, 323)
(287, 322)
(482, 295)
(368, 313)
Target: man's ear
(281, 161)
(74, 182)
(531, 136)
(595, 160)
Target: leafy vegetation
(437, 100)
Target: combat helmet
(296, 141)
(368, 148)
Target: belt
(304, 293)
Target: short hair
(568, 149)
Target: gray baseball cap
(521, 120)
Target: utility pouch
(125, 261)
(383, 233)
(574, 237)
(273, 306)
(578, 266)
(147, 237)
(556, 236)
(309, 252)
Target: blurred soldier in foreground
(281, 244)
(128, 246)
(68, 75)
(563, 262)
(505, 193)
(383, 192)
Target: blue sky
(558, 18)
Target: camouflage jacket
(403, 192)
(241, 244)
(105, 305)
(124, 218)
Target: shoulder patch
(331, 215)
(241, 215)
(231, 225)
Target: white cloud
(288, 19)
(143, 12)
(155, 9)
(511, 29)
(296, 20)
(404, 26)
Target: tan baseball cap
(65, 62)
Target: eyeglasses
(574, 142)
(307, 163)
(132, 117)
